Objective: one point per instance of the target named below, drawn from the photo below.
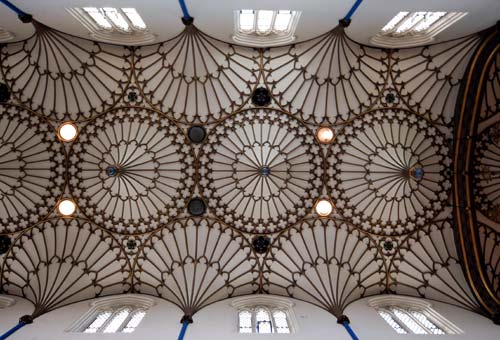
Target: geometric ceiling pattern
(133, 170)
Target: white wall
(219, 322)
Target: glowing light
(324, 135)
(66, 207)
(67, 131)
(324, 207)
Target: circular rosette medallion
(31, 168)
(134, 170)
(388, 172)
(261, 170)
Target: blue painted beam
(23, 16)
(12, 330)
(353, 9)
(185, 12)
(185, 324)
(350, 331)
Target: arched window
(265, 315)
(412, 316)
(113, 315)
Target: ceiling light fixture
(66, 207)
(67, 131)
(325, 135)
(323, 207)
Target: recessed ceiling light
(66, 207)
(325, 135)
(323, 207)
(116, 18)
(67, 131)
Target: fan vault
(260, 169)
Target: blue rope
(185, 12)
(353, 9)
(13, 329)
(349, 330)
(15, 9)
(183, 330)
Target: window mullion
(126, 321)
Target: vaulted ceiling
(392, 112)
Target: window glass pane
(263, 322)
(98, 17)
(117, 321)
(431, 327)
(245, 321)
(388, 318)
(282, 22)
(134, 321)
(247, 20)
(100, 319)
(264, 21)
(394, 21)
(280, 322)
(408, 321)
(134, 18)
(429, 19)
(117, 18)
(410, 22)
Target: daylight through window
(263, 320)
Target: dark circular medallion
(197, 134)
(5, 243)
(196, 207)
(4, 93)
(261, 97)
(261, 244)
(132, 96)
(131, 244)
(265, 171)
(111, 171)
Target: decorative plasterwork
(135, 37)
(6, 302)
(475, 174)
(261, 170)
(133, 170)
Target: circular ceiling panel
(387, 172)
(134, 171)
(31, 168)
(262, 170)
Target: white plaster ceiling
(216, 18)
